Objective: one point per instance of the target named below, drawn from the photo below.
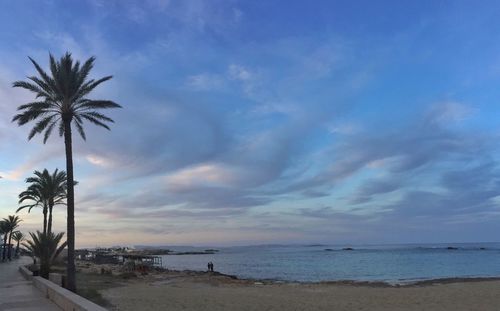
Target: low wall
(66, 300)
(26, 273)
(56, 278)
(62, 297)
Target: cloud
(220, 81)
(185, 16)
(344, 129)
(246, 173)
(407, 149)
(238, 72)
(374, 187)
(204, 174)
(63, 40)
(269, 130)
(249, 79)
(451, 111)
(205, 82)
(466, 193)
(98, 160)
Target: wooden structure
(103, 256)
(147, 260)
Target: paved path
(17, 294)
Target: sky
(264, 122)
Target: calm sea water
(393, 264)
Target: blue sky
(249, 122)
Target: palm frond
(61, 129)
(40, 126)
(79, 127)
(86, 68)
(35, 106)
(47, 79)
(28, 116)
(31, 87)
(48, 131)
(96, 104)
(26, 206)
(94, 120)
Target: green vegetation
(45, 245)
(90, 284)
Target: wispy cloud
(303, 129)
(205, 82)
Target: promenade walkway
(18, 294)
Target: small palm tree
(46, 247)
(45, 190)
(17, 236)
(63, 100)
(12, 224)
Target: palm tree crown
(11, 224)
(17, 236)
(63, 97)
(32, 194)
(45, 190)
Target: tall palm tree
(17, 236)
(46, 190)
(63, 100)
(12, 224)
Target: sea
(393, 264)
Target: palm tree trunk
(45, 218)
(4, 246)
(49, 224)
(70, 270)
(44, 269)
(17, 247)
(10, 248)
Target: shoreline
(403, 284)
(374, 283)
(161, 289)
(268, 281)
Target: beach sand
(186, 290)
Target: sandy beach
(184, 290)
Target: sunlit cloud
(204, 174)
(98, 160)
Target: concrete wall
(27, 274)
(62, 297)
(56, 278)
(66, 300)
